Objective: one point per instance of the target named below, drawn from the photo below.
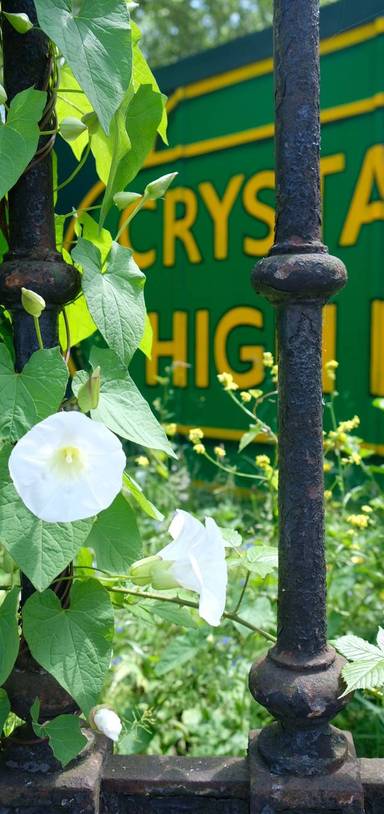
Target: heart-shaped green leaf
(30, 396)
(9, 634)
(115, 537)
(95, 38)
(77, 643)
(19, 136)
(41, 550)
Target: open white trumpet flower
(67, 468)
(197, 557)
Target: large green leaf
(142, 75)
(262, 560)
(121, 406)
(77, 643)
(5, 708)
(41, 550)
(115, 537)
(134, 135)
(9, 635)
(19, 136)
(35, 393)
(95, 39)
(115, 298)
(366, 674)
(64, 734)
(71, 101)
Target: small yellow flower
(348, 426)
(219, 451)
(359, 520)
(327, 466)
(195, 435)
(245, 396)
(275, 373)
(357, 560)
(355, 458)
(142, 460)
(327, 494)
(263, 461)
(171, 429)
(330, 367)
(268, 360)
(367, 509)
(199, 449)
(226, 379)
(255, 393)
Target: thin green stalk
(38, 332)
(176, 600)
(76, 107)
(76, 170)
(232, 471)
(243, 590)
(130, 217)
(67, 333)
(337, 451)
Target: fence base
(339, 792)
(35, 788)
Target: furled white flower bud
(20, 22)
(71, 128)
(32, 303)
(124, 199)
(157, 189)
(107, 722)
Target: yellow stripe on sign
(265, 66)
(264, 131)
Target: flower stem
(77, 169)
(38, 333)
(231, 470)
(68, 334)
(176, 600)
(130, 217)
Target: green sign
(197, 247)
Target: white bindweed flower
(197, 562)
(67, 467)
(107, 722)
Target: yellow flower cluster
(142, 460)
(245, 396)
(263, 461)
(275, 373)
(195, 435)
(199, 449)
(219, 451)
(268, 360)
(330, 367)
(360, 521)
(226, 379)
(255, 393)
(348, 426)
(170, 429)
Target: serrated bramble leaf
(9, 634)
(96, 43)
(77, 643)
(365, 674)
(353, 648)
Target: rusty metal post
(299, 680)
(33, 262)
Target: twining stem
(68, 334)
(231, 470)
(38, 333)
(176, 600)
(77, 169)
(130, 217)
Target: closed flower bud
(3, 95)
(140, 573)
(162, 576)
(157, 189)
(106, 721)
(91, 122)
(71, 128)
(124, 199)
(20, 22)
(88, 395)
(32, 303)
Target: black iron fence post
(299, 680)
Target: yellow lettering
(258, 247)
(377, 344)
(363, 210)
(179, 228)
(329, 343)
(248, 353)
(202, 347)
(175, 349)
(143, 259)
(219, 209)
